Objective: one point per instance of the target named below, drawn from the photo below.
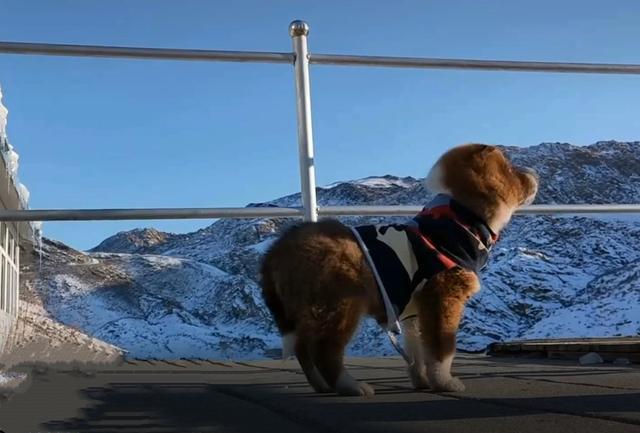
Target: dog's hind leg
(329, 344)
(291, 341)
(440, 306)
(303, 354)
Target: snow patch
(11, 379)
(375, 182)
(262, 247)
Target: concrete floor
(503, 395)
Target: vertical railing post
(299, 31)
(16, 301)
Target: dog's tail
(274, 303)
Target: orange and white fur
(318, 284)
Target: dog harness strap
(394, 342)
(393, 326)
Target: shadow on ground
(180, 407)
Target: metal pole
(299, 31)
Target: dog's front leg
(440, 306)
(417, 369)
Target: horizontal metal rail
(319, 59)
(539, 209)
(278, 212)
(368, 210)
(548, 209)
(147, 214)
(143, 53)
(487, 65)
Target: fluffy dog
(319, 279)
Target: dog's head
(484, 180)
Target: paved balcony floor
(503, 395)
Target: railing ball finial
(298, 28)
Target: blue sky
(97, 133)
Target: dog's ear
(528, 180)
(486, 150)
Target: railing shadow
(182, 407)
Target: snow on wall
(11, 161)
(10, 156)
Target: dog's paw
(359, 389)
(451, 384)
(347, 385)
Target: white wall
(6, 323)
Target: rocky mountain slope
(164, 295)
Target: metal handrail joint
(318, 59)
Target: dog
(319, 279)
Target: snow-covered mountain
(164, 295)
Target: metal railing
(279, 212)
(300, 58)
(144, 53)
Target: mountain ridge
(546, 274)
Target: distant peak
(130, 241)
(143, 231)
(385, 181)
